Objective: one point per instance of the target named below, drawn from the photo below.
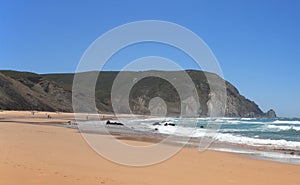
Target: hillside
(28, 91)
(53, 92)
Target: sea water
(275, 139)
(271, 139)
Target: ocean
(268, 139)
(271, 139)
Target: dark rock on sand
(169, 124)
(114, 123)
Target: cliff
(53, 92)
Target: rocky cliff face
(52, 92)
(32, 92)
(239, 106)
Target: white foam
(274, 156)
(239, 121)
(233, 121)
(227, 118)
(282, 144)
(279, 155)
(283, 127)
(233, 150)
(219, 120)
(181, 131)
(248, 119)
(286, 122)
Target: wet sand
(34, 151)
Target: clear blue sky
(257, 42)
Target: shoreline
(67, 120)
(48, 154)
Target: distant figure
(87, 117)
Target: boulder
(114, 123)
(169, 124)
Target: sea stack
(271, 114)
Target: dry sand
(43, 154)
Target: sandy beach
(37, 150)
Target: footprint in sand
(106, 181)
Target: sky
(256, 42)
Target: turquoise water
(281, 133)
(270, 139)
(273, 129)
